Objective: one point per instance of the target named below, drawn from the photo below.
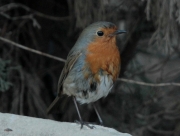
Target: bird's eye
(100, 33)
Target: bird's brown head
(107, 33)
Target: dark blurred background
(150, 53)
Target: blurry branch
(17, 5)
(153, 129)
(35, 23)
(148, 10)
(110, 14)
(31, 50)
(63, 60)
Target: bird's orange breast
(103, 54)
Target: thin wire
(148, 84)
(31, 50)
(63, 60)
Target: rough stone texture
(16, 125)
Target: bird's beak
(117, 32)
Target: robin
(92, 67)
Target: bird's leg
(99, 117)
(80, 118)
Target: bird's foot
(84, 123)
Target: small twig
(63, 60)
(31, 50)
(155, 115)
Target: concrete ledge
(16, 125)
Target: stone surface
(16, 125)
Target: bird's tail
(58, 105)
(53, 105)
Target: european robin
(92, 66)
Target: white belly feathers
(102, 90)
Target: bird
(91, 68)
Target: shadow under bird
(92, 67)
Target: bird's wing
(71, 59)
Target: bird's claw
(84, 123)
